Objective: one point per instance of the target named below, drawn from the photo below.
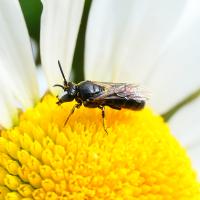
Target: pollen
(139, 158)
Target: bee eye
(63, 95)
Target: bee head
(69, 88)
(66, 96)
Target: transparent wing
(121, 90)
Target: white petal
(8, 108)
(176, 72)
(59, 29)
(194, 155)
(185, 126)
(41, 81)
(16, 55)
(124, 38)
(35, 48)
(8, 111)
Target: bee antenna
(63, 75)
(58, 85)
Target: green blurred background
(32, 10)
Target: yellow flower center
(139, 158)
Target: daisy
(125, 41)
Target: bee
(94, 94)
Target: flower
(43, 159)
(138, 159)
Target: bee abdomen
(124, 103)
(133, 104)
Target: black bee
(100, 94)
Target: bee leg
(72, 111)
(103, 118)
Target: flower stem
(188, 99)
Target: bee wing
(121, 90)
